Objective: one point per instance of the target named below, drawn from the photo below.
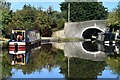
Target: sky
(18, 4)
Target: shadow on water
(77, 60)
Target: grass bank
(70, 39)
(56, 39)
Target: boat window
(19, 58)
(18, 35)
(23, 37)
(14, 36)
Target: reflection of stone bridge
(84, 29)
(81, 50)
(76, 49)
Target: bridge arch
(88, 32)
(87, 51)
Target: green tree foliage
(26, 17)
(6, 20)
(118, 10)
(82, 11)
(113, 20)
(6, 15)
(30, 18)
(57, 19)
(118, 13)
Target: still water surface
(67, 60)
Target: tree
(82, 11)
(57, 19)
(28, 18)
(118, 12)
(113, 20)
(6, 16)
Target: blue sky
(18, 4)
(44, 73)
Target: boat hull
(17, 47)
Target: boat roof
(18, 29)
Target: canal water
(66, 60)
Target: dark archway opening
(89, 46)
(87, 34)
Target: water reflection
(45, 57)
(105, 55)
(77, 60)
(80, 68)
(84, 50)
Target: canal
(66, 60)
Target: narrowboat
(21, 41)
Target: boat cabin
(18, 35)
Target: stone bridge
(84, 29)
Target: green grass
(70, 39)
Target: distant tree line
(30, 17)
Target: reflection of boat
(22, 59)
(19, 59)
(108, 38)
